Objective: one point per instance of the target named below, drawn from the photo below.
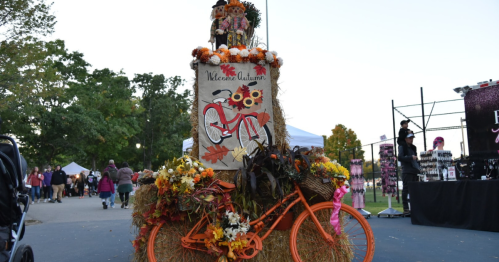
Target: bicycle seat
(227, 187)
(220, 99)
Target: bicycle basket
(185, 203)
(316, 189)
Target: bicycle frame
(239, 117)
(195, 240)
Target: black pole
(424, 125)
(395, 151)
(374, 181)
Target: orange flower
(239, 59)
(260, 56)
(192, 171)
(204, 174)
(210, 172)
(197, 179)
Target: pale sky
(344, 61)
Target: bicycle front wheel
(355, 243)
(262, 134)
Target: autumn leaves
(217, 153)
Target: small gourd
(223, 258)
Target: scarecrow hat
(235, 3)
(219, 3)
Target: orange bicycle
(312, 237)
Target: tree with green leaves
(22, 18)
(164, 120)
(343, 140)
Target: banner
(235, 111)
(482, 121)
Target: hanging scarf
(335, 220)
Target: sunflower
(255, 94)
(248, 101)
(236, 97)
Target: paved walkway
(80, 230)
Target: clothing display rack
(435, 163)
(388, 178)
(357, 187)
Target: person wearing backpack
(113, 175)
(90, 183)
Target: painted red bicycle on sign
(246, 125)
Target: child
(105, 189)
(404, 124)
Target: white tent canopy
(298, 137)
(74, 169)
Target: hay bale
(144, 196)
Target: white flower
(201, 169)
(245, 226)
(274, 53)
(171, 180)
(223, 47)
(270, 57)
(199, 47)
(214, 60)
(244, 53)
(261, 62)
(230, 234)
(155, 174)
(189, 181)
(170, 171)
(233, 218)
(195, 164)
(234, 51)
(281, 62)
(254, 51)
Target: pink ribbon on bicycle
(335, 220)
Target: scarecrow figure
(236, 24)
(218, 17)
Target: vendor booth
(471, 202)
(74, 169)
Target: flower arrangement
(237, 54)
(182, 176)
(333, 170)
(244, 98)
(228, 231)
(180, 179)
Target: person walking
(125, 184)
(410, 168)
(47, 185)
(105, 189)
(80, 184)
(58, 181)
(35, 179)
(113, 175)
(90, 182)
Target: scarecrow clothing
(219, 39)
(234, 24)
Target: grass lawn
(381, 202)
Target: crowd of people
(53, 186)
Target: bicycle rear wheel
(355, 243)
(212, 117)
(165, 244)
